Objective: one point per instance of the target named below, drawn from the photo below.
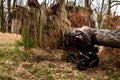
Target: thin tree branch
(114, 1)
(115, 4)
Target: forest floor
(39, 64)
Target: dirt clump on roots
(80, 16)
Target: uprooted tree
(46, 26)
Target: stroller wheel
(94, 63)
(70, 58)
(82, 64)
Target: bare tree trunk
(87, 3)
(67, 1)
(45, 4)
(106, 37)
(2, 17)
(53, 2)
(9, 19)
(14, 2)
(74, 2)
(99, 15)
(109, 7)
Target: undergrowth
(26, 41)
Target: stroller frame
(86, 57)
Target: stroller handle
(71, 34)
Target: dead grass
(8, 38)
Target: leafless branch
(115, 1)
(115, 4)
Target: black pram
(87, 53)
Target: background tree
(14, 2)
(100, 14)
(2, 17)
(103, 8)
(87, 3)
(9, 21)
(111, 4)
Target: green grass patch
(14, 54)
(98, 78)
(51, 65)
(112, 76)
(27, 41)
(5, 78)
(42, 72)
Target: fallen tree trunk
(106, 37)
(86, 38)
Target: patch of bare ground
(7, 39)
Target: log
(86, 37)
(106, 37)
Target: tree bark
(14, 2)
(87, 3)
(100, 15)
(74, 2)
(109, 7)
(106, 37)
(9, 19)
(2, 17)
(67, 1)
